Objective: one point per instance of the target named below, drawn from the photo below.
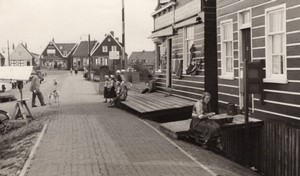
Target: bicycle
(4, 118)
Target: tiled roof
(1, 55)
(65, 47)
(36, 56)
(148, 56)
(82, 49)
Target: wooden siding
(280, 134)
(189, 86)
(280, 150)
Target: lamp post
(8, 56)
(123, 37)
(89, 56)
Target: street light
(3, 51)
(123, 37)
(89, 55)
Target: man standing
(35, 89)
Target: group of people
(115, 89)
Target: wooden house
(81, 53)
(108, 52)
(144, 58)
(267, 30)
(185, 38)
(20, 56)
(57, 55)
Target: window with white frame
(227, 49)
(104, 48)
(13, 63)
(113, 48)
(275, 44)
(20, 63)
(103, 61)
(188, 42)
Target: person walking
(35, 89)
(76, 70)
(71, 71)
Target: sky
(36, 22)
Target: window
(20, 63)
(275, 45)
(227, 49)
(114, 48)
(103, 61)
(13, 63)
(245, 19)
(104, 48)
(188, 42)
(51, 51)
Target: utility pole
(8, 56)
(123, 38)
(89, 57)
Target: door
(169, 63)
(245, 55)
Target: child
(112, 90)
(116, 99)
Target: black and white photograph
(150, 88)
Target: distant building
(145, 58)
(101, 54)
(80, 55)
(2, 60)
(58, 55)
(36, 59)
(20, 56)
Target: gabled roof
(20, 47)
(149, 56)
(99, 44)
(65, 47)
(82, 49)
(36, 56)
(61, 47)
(1, 55)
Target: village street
(85, 137)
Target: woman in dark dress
(106, 88)
(202, 127)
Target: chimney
(26, 45)
(112, 33)
(13, 46)
(117, 38)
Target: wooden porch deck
(158, 106)
(232, 138)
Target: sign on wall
(114, 55)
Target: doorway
(245, 55)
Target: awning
(190, 21)
(161, 33)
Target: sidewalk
(87, 138)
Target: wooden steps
(159, 106)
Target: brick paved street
(85, 138)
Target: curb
(32, 152)
(180, 149)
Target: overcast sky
(36, 22)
